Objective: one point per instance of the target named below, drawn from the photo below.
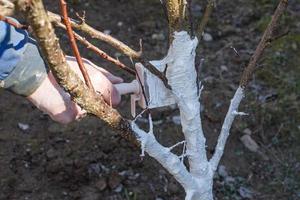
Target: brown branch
(13, 23)
(66, 77)
(155, 71)
(101, 53)
(207, 13)
(264, 42)
(191, 17)
(129, 52)
(63, 7)
(175, 16)
(84, 27)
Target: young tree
(176, 70)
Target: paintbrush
(147, 90)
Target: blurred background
(40, 159)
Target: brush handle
(128, 88)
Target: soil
(86, 160)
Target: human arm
(24, 72)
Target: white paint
(198, 180)
(182, 77)
(159, 95)
(231, 114)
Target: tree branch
(264, 42)
(207, 13)
(101, 53)
(247, 74)
(175, 12)
(84, 27)
(113, 42)
(63, 7)
(67, 78)
(167, 159)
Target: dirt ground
(86, 160)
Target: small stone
(107, 32)
(229, 180)
(249, 143)
(247, 131)
(158, 36)
(224, 68)
(119, 188)
(114, 180)
(56, 128)
(134, 177)
(101, 184)
(90, 193)
(117, 54)
(207, 37)
(209, 79)
(94, 169)
(222, 171)
(119, 24)
(173, 187)
(245, 193)
(196, 10)
(176, 120)
(294, 46)
(51, 153)
(23, 127)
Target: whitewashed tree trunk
(197, 181)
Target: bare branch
(207, 13)
(101, 53)
(235, 102)
(67, 78)
(63, 7)
(123, 48)
(115, 43)
(264, 42)
(175, 9)
(155, 71)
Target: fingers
(102, 80)
(105, 87)
(53, 100)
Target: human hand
(54, 101)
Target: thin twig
(115, 43)
(207, 13)
(13, 23)
(63, 6)
(98, 51)
(239, 94)
(155, 71)
(191, 17)
(264, 42)
(84, 27)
